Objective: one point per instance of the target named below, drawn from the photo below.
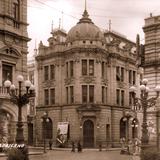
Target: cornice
(79, 50)
(5, 32)
(11, 18)
(151, 27)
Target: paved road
(85, 155)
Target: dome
(85, 30)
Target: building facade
(13, 61)
(83, 85)
(151, 64)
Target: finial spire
(59, 23)
(110, 24)
(85, 4)
(52, 27)
(62, 21)
(35, 49)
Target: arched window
(123, 126)
(47, 129)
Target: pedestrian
(100, 146)
(130, 147)
(50, 144)
(73, 147)
(79, 147)
(122, 142)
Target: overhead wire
(55, 9)
(64, 13)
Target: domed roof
(85, 30)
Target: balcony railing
(4, 93)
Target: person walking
(50, 144)
(73, 147)
(79, 147)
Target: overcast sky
(127, 16)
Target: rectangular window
(16, 10)
(84, 93)
(118, 73)
(84, 67)
(46, 76)
(102, 68)
(52, 96)
(106, 95)
(134, 77)
(52, 72)
(130, 77)
(6, 73)
(67, 69)
(71, 94)
(130, 98)
(122, 98)
(118, 96)
(46, 97)
(103, 94)
(91, 67)
(122, 74)
(67, 95)
(31, 76)
(91, 94)
(71, 69)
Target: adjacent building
(151, 64)
(13, 61)
(83, 80)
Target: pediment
(89, 108)
(10, 51)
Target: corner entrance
(88, 134)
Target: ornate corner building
(83, 79)
(13, 60)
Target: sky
(127, 17)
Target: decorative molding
(121, 85)
(104, 82)
(69, 81)
(49, 84)
(87, 79)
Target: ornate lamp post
(143, 103)
(20, 100)
(44, 120)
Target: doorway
(88, 134)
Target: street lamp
(143, 103)
(44, 120)
(20, 100)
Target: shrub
(18, 154)
(150, 154)
(15, 154)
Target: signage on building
(62, 132)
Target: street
(86, 154)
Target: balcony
(3, 93)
